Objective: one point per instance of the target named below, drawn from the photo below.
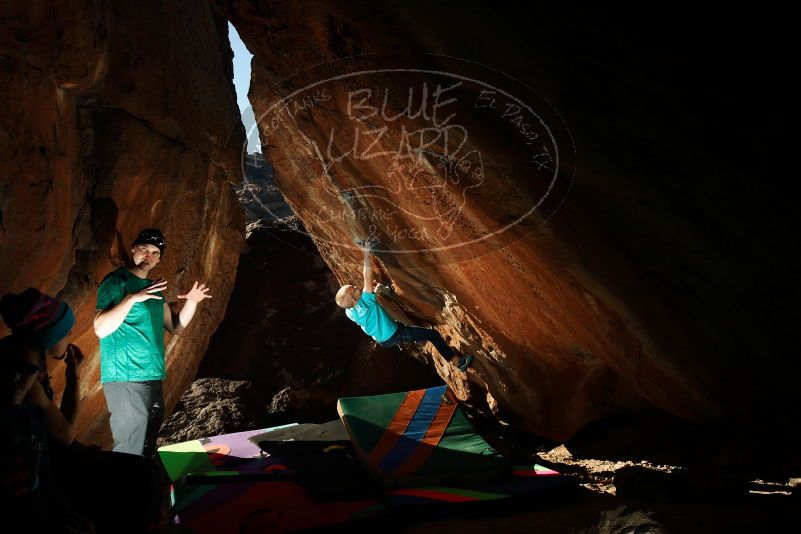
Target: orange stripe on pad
(447, 408)
(397, 426)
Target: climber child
(362, 308)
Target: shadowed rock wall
(118, 116)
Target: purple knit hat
(37, 318)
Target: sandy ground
(656, 499)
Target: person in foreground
(362, 307)
(130, 321)
(55, 482)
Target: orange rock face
(561, 221)
(116, 118)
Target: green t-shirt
(134, 351)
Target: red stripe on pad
(434, 495)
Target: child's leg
(417, 334)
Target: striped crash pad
(419, 438)
(225, 484)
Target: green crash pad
(419, 438)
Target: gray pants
(137, 410)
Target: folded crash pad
(419, 438)
(225, 454)
(323, 460)
(310, 436)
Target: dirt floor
(651, 474)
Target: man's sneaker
(464, 362)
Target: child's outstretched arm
(367, 271)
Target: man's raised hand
(150, 291)
(197, 293)
(365, 245)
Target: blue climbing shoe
(464, 362)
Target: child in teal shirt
(362, 308)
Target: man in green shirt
(130, 321)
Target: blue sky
(242, 59)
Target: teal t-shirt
(369, 314)
(134, 351)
